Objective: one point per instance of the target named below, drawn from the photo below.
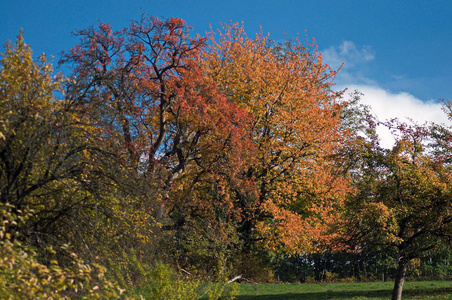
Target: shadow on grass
(381, 294)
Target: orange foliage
(286, 89)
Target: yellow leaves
(405, 193)
(381, 220)
(27, 89)
(22, 276)
(379, 213)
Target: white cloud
(404, 106)
(353, 60)
(385, 105)
(347, 53)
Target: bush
(161, 281)
(22, 276)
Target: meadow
(419, 290)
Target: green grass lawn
(419, 290)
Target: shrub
(22, 276)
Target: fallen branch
(185, 271)
(235, 278)
(247, 280)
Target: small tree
(402, 204)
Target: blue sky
(399, 53)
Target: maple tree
(402, 205)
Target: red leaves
(154, 99)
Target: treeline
(360, 267)
(210, 157)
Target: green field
(375, 290)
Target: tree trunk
(400, 279)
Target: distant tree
(402, 204)
(143, 88)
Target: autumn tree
(49, 164)
(402, 204)
(295, 188)
(38, 158)
(27, 93)
(143, 87)
(175, 134)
